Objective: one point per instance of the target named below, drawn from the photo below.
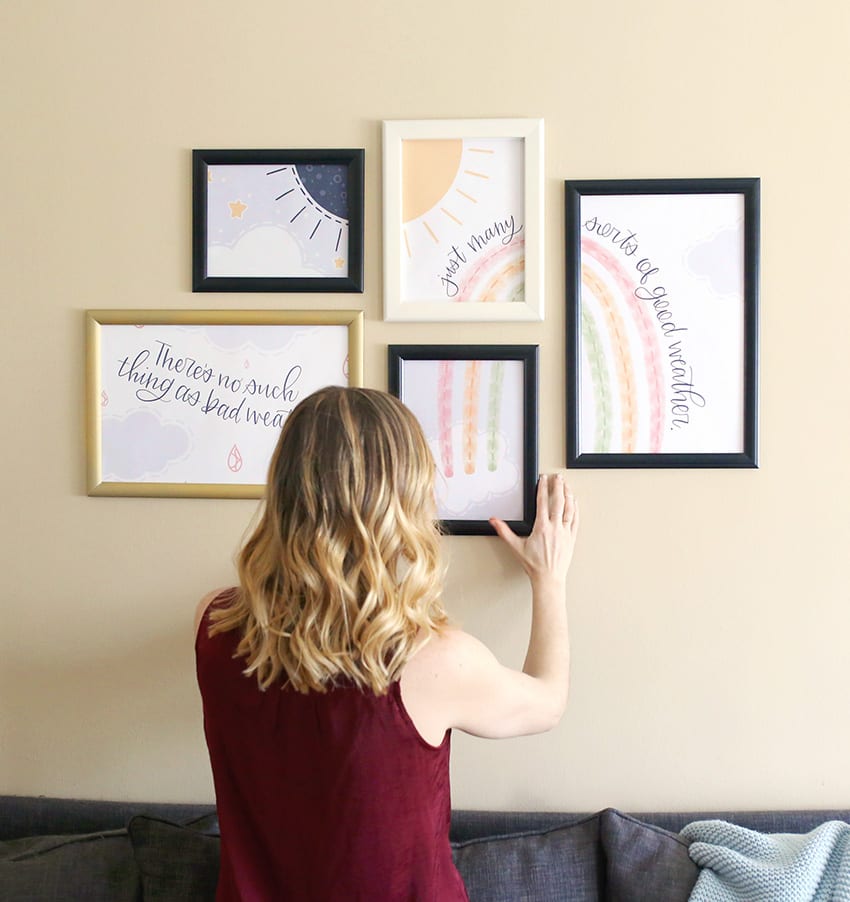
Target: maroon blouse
(322, 797)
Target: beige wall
(709, 610)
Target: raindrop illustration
(234, 460)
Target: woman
(331, 678)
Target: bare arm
(455, 681)
(546, 556)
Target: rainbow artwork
(471, 413)
(661, 324)
(621, 356)
(462, 220)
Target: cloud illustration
(263, 338)
(263, 251)
(140, 446)
(499, 490)
(712, 261)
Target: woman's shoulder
(447, 654)
(449, 668)
(223, 595)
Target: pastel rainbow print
(621, 357)
(471, 404)
(499, 276)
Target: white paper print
(463, 230)
(277, 221)
(205, 404)
(472, 414)
(662, 323)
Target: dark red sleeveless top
(322, 797)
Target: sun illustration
(462, 229)
(442, 181)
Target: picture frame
(662, 280)
(477, 405)
(463, 220)
(189, 403)
(277, 220)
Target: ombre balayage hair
(342, 577)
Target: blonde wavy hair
(342, 576)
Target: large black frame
(397, 355)
(575, 191)
(352, 159)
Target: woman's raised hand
(547, 552)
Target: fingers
(557, 497)
(503, 531)
(555, 505)
(555, 501)
(561, 506)
(546, 553)
(570, 507)
(542, 497)
(571, 515)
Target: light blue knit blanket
(741, 865)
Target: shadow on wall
(116, 716)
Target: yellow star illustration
(237, 208)
(339, 263)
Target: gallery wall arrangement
(662, 324)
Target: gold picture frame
(189, 403)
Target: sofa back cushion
(176, 862)
(564, 863)
(643, 861)
(97, 867)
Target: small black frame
(399, 355)
(311, 216)
(578, 224)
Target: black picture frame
(637, 283)
(292, 172)
(401, 384)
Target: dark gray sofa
(60, 849)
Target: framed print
(277, 220)
(662, 296)
(190, 403)
(477, 405)
(463, 219)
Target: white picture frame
(463, 220)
